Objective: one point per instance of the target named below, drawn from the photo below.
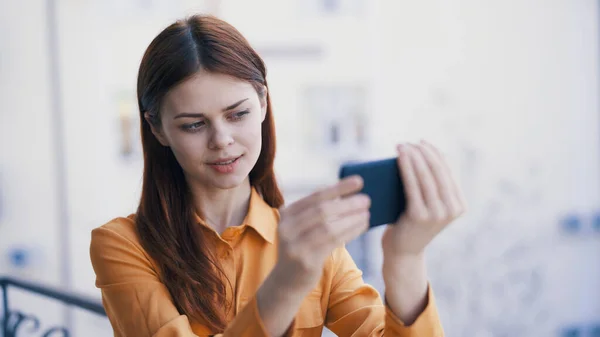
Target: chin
(226, 183)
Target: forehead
(207, 93)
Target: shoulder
(121, 228)
(117, 255)
(118, 237)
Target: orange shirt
(138, 304)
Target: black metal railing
(14, 321)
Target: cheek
(253, 137)
(187, 149)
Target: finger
(440, 175)
(344, 187)
(456, 190)
(334, 233)
(414, 198)
(409, 177)
(425, 178)
(328, 212)
(353, 232)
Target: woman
(211, 250)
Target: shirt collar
(261, 217)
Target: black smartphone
(382, 183)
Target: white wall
(29, 209)
(509, 89)
(29, 218)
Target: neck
(223, 208)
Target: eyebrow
(191, 114)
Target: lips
(225, 161)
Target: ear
(157, 132)
(263, 104)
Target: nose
(221, 137)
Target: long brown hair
(165, 216)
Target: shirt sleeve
(356, 309)
(138, 304)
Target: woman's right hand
(309, 230)
(312, 227)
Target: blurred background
(508, 90)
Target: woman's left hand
(433, 200)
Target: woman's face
(212, 123)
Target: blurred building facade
(507, 89)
